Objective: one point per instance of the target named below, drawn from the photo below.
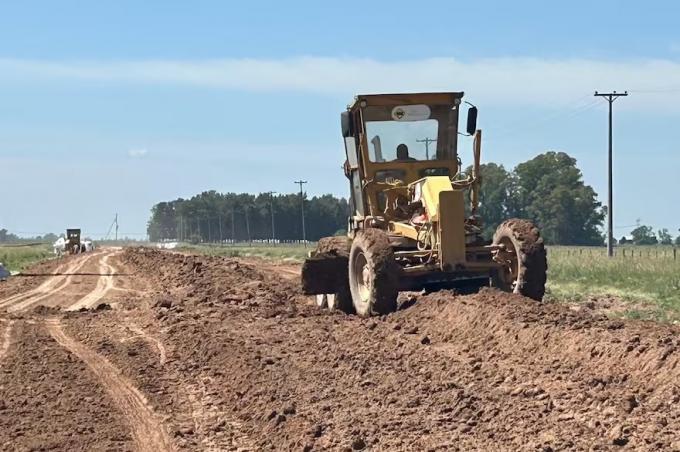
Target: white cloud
(519, 81)
(137, 153)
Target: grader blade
(325, 271)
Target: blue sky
(118, 105)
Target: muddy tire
(524, 259)
(341, 300)
(373, 273)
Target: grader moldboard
(408, 228)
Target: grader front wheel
(373, 273)
(523, 258)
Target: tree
(550, 191)
(665, 237)
(644, 235)
(495, 199)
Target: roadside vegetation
(639, 281)
(18, 257)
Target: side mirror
(472, 120)
(346, 124)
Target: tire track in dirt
(41, 289)
(6, 340)
(104, 284)
(25, 301)
(147, 429)
(49, 400)
(155, 342)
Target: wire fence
(621, 252)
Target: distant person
(402, 154)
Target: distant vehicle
(72, 244)
(73, 241)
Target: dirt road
(148, 350)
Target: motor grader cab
(408, 229)
(73, 241)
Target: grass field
(645, 279)
(16, 258)
(642, 282)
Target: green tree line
(213, 217)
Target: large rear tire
(373, 273)
(524, 259)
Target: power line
(576, 108)
(610, 98)
(653, 91)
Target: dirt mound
(225, 354)
(445, 372)
(42, 310)
(191, 280)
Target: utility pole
(427, 142)
(302, 207)
(610, 98)
(271, 207)
(233, 228)
(116, 220)
(247, 223)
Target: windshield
(410, 133)
(393, 140)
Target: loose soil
(175, 351)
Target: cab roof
(407, 98)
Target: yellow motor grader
(409, 229)
(73, 245)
